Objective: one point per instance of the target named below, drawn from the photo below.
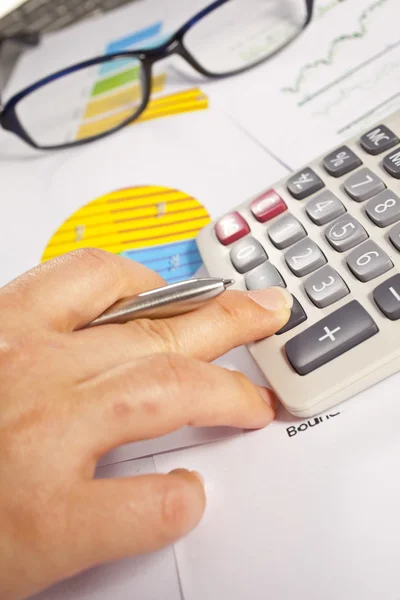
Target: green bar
(115, 81)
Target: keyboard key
(304, 258)
(263, 276)
(325, 287)
(368, 261)
(247, 254)
(341, 161)
(363, 184)
(345, 233)
(267, 206)
(378, 140)
(387, 297)
(331, 337)
(391, 162)
(324, 208)
(231, 228)
(394, 236)
(286, 231)
(297, 316)
(384, 209)
(304, 184)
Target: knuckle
(94, 258)
(230, 310)
(161, 333)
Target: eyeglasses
(226, 38)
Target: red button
(230, 228)
(267, 206)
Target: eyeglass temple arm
(23, 38)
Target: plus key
(331, 337)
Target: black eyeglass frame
(10, 121)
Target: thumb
(116, 518)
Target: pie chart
(153, 225)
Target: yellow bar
(123, 98)
(122, 206)
(179, 109)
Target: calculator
(330, 234)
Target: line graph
(336, 43)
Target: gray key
(286, 231)
(387, 297)
(368, 261)
(304, 183)
(325, 287)
(391, 162)
(363, 184)
(304, 258)
(297, 316)
(341, 161)
(324, 208)
(378, 140)
(331, 337)
(263, 276)
(345, 233)
(247, 254)
(394, 236)
(384, 209)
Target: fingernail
(187, 473)
(274, 298)
(267, 396)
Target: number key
(363, 184)
(394, 236)
(384, 209)
(324, 208)
(368, 261)
(286, 231)
(345, 233)
(325, 287)
(247, 254)
(387, 297)
(304, 258)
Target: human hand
(69, 395)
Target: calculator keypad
(329, 338)
(368, 261)
(325, 287)
(341, 161)
(384, 209)
(304, 183)
(267, 206)
(378, 140)
(263, 276)
(363, 184)
(286, 231)
(345, 233)
(304, 258)
(387, 297)
(324, 208)
(230, 228)
(247, 254)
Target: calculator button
(247, 254)
(324, 208)
(263, 276)
(368, 261)
(297, 316)
(304, 258)
(345, 233)
(267, 206)
(304, 184)
(387, 297)
(394, 236)
(391, 162)
(325, 287)
(378, 140)
(230, 228)
(363, 184)
(286, 231)
(331, 337)
(384, 209)
(341, 161)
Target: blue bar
(181, 274)
(165, 251)
(126, 42)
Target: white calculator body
(330, 234)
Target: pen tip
(228, 282)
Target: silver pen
(167, 301)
